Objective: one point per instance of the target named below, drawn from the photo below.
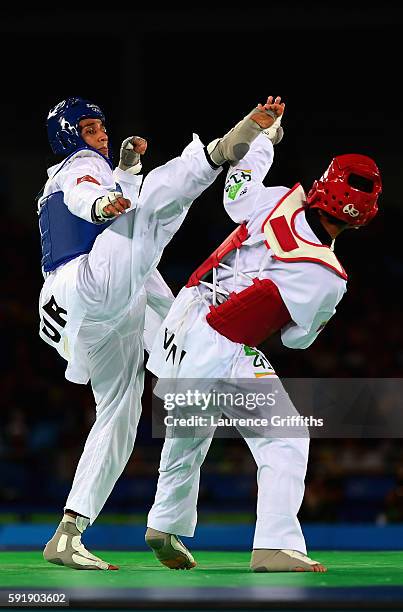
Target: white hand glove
(275, 132)
(129, 159)
(98, 214)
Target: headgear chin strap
(63, 124)
(348, 190)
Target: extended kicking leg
(234, 145)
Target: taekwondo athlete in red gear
(276, 272)
(99, 262)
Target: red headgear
(348, 190)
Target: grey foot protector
(65, 547)
(235, 144)
(271, 560)
(169, 549)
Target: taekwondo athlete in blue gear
(65, 235)
(97, 288)
(72, 215)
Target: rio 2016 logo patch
(262, 366)
(237, 181)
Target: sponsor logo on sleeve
(236, 184)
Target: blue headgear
(62, 123)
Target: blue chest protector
(64, 236)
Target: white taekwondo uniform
(310, 284)
(93, 307)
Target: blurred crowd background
(333, 107)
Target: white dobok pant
(281, 469)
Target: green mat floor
(215, 569)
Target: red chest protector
(250, 316)
(255, 313)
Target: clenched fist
(111, 205)
(130, 152)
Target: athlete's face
(93, 132)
